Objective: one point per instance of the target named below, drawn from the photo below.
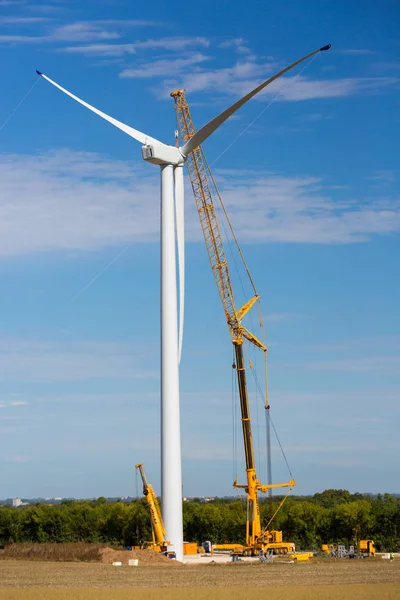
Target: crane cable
(277, 510)
(12, 113)
(280, 446)
(265, 108)
(260, 317)
(229, 222)
(272, 423)
(234, 420)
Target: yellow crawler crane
(158, 532)
(257, 538)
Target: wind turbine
(171, 159)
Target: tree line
(333, 516)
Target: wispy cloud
(14, 459)
(84, 201)
(83, 31)
(16, 20)
(238, 44)
(24, 39)
(173, 43)
(160, 67)
(314, 117)
(384, 175)
(26, 360)
(131, 22)
(170, 44)
(248, 72)
(13, 403)
(236, 81)
(99, 50)
(375, 364)
(12, 2)
(355, 51)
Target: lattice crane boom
(197, 167)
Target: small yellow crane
(257, 538)
(158, 532)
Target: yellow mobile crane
(157, 525)
(257, 538)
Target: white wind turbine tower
(171, 160)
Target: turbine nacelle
(162, 155)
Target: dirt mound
(145, 557)
(72, 552)
(82, 552)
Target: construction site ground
(330, 579)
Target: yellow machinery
(325, 549)
(158, 543)
(256, 537)
(367, 547)
(157, 525)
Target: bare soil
(34, 574)
(339, 592)
(80, 552)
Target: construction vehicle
(158, 532)
(367, 547)
(158, 543)
(257, 538)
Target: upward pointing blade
(208, 129)
(137, 135)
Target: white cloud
(65, 200)
(239, 44)
(299, 209)
(356, 51)
(240, 79)
(79, 31)
(170, 44)
(82, 31)
(100, 49)
(248, 72)
(173, 43)
(130, 22)
(158, 68)
(30, 360)
(12, 403)
(74, 200)
(22, 20)
(14, 459)
(375, 364)
(25, 39)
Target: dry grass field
(324, 579)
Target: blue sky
(313, 191)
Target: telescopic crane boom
(157, 524)
(256, 537)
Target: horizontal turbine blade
(208, 129)
(137, 135)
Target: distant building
(17, 502)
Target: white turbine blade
(180, 235)
(137, 135)
(208, 129)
